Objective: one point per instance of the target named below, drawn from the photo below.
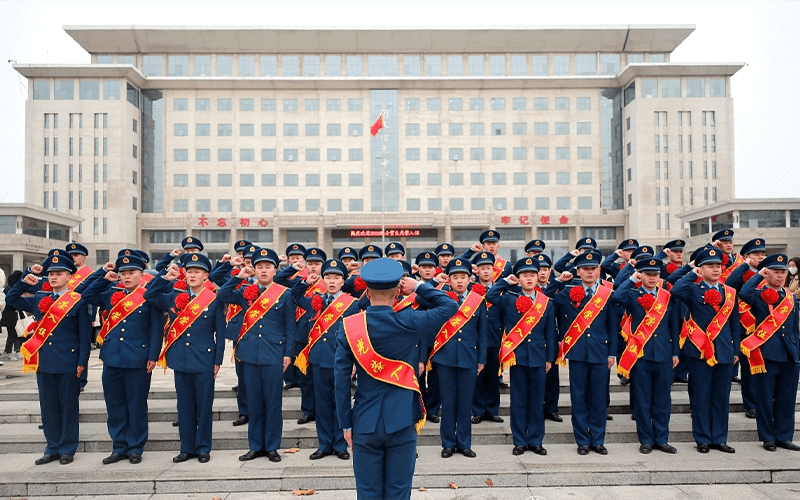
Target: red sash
(44, 327)
(459, 319)
(146, 279)
(584, 320)
(636, 341)
(522, 329)
(751, 346)
(326, 319)
(78, 277)
(410, 300)
(318, 287)
(302, 274)
(268, 298)
(120, 311)
(746, 317)
(704, 340)
(390, 371)
(726, 271)
(234, 309)
(184, 320)
(498, 268)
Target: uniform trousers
(264, 390)
(455, 428)
(551, 390)
(308, 404)
(748, 396)
(58, 402)
(125, 391)
(195, 402)
(486, 400)
(588, 388)
(384, 463)
(430, 395)
(241, 392)
(329, 433)
(709, 400)
(651, 383)
(527, 399)
(775, 397)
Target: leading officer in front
(384, 346)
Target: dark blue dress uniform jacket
(664, 343)
(324, 350)
(783, 345)
(467, 347)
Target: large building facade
(264, 134)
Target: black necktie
(460, 299)
(328, 300)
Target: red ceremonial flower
(45, 303)
(576, 295)
(234, 272)
(179, 285)
(438, 271)
(712, 298)
(46, 286)
(479, 289)
(181, 300)
(646, 301)
(251, 293)
(181, 274)
(524, 303)
(770, 296)
(360, 284)
(317, 302)
(452, 295)
(116, 297)
(671, 268)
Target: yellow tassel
(428, 366)
(755, 370)
(745, 350)
(163, 364)
(301, 363)
(712, 361)
(681, 342)
(99, 340)
(561, 362)
(622, 371)
(29, 368)
(419, 425)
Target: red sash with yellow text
(751, 346)
(390, 371)
(625, 324)
(636, 341)
(726, 271)
(318, 287)
(704, 339)
(746, 317)
(146, 279)
(78, 277)
(44, 327)
(184, 320)
(584, 320)
(459, 319)
(408, 301)
(120, 311)
(498, 268)
(522, 329)
(268, 298)
(326, 319)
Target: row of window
(71, 201)
(64, 90)
(71, 173)
(357, 204)
(676, 87)
(684, 119)
(682, 201)
(661, 170)
(76, 120)
(100, 148)
(661, 144)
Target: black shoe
(46, 459)
(468, 453)
(273, 456)
(583, 450)
(290, 386)
(518, 450)
(503, 385)
(114, 458)
(494, 418)
(65, 459)
(555, 417)
(787, 445)
(770, 446)
(751, 413)
(599, 449)
(633, 417)
(203, 458)
(243, 419)
(135, 458)
(175, 423)
(624, 381)
(723, 447)
(319, 454)
(666, 448)
(182, 457)
(538, 450)
(306, 419)
(645, 448)
(679, 380)
(737, 380)
(476, 420)
(702, 447)
(342, 455)
(41, 426)
(609, 417)
(447, 452)
(250, 455)
(433, 418)
(235, 388)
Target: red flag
(377, 126)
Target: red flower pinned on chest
(46, 286)
(360, 284)
(646, 301)
(712, 298)
(251, 293)
(234, 272)
(181, 274)
(524, 303)
(179, 285)
(576, 295)
(453, 295)
(770, 296)
(671, 268)
(181, 300)
(45, 303)
(479, 289)
(116, 297)
(317, 302)
(438, 271)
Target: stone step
(623, 473)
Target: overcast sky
(764, 35)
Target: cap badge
(427, 256)
(444, 247)
(391, 246)
(333, 264)
(56, 253)
(780, 258)
(458, 262)
(652, 263)
(194, 258)
(712, 253)
(758, 242)
(588, 240)
(263, 252)
(491, 233)
(294, 247)
(55, 260)
(125, 260)
(127, 252)
(589, 257)
(630, 242)
(483, 256)
(72, 246)
(679, 242)
(188, 240)
(528, 261)
(370, 248)
(541, 257)
(313, 252)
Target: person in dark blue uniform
(564, 264)
(444, 253)
(129, 353)
(62, 357)
(195, 356)
(459, 360)
(651, 374)
(593, 352)
(709, 386)
(489, 242)
(623, 252)
(379, 427)
(534, 248)
(265, 349)
(321, 354)
(552, 389)
(534, 354)
(429, 380)
(190, 244)
(394, 250)
(775, 389)
(294, 255)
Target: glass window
(584, 202)
(519, 128)
(499, 203)
(717, 87)
(202, 104)
(586, 64)
(224, 155)
(412, 154)
(635, 58)
(498, 178)
(433, 65)
(434, 179)
(246, 129)
(354, 65)
(455, 65)
(224, 104)
(540, 103)
(609, 64)
(412, 179)
(456, 179)
(656, 58)
(312, 204)
(562, 128)
(670, 87)
(542, 178)
(356, 205)
(180, 129)
(354, 129)
(520, 203)
(562, 102)
(246, 104)
(520, 179)
(89, 90)
(312, 154)
(412, 104)
(224, 180)
(477, 203)
(498, 129)
(476, 154)
(180, 155)
(224, 129)
(202, 155)
(180, 205)
(311, 65)
(561, 64)
(333, 65)
(519, 65)
(178, 65)
(562, 178)
(562, 202)
(584, 128)
(334, 129)
(268, 129)
(456, 154)
(434, 129)
(268, 155)
(247, 205)
(111, 90)
(291, 205)
(584, 153)
(454, 104)
(434, 203)
(333, 104)
(267, 179)
(202, 65)
(498, 153)
(540, 65)
(543, 204)
(290, 104)
(477, 178)
(333, 180)
(355, 180)
(434, 104)
(354, 105)
(456, 203)
(64, 90)
(178, 104)
(650, 87)
(334, 154)
(290, 65)
(476, 129)
(518, 104)
(312, 129)
(762, 218)
(476, 104)
(455, 129)
(412, 128)
(498, 103)
(541, 153)
(203, 205)
(584, 178)
(434, 154)
(269, 66)
(247, 154)
(41, 90)
(540, 128)
(695, 87)
(224, 65)
(411, 67)
(583, 103)
(153, 65)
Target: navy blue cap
(774, 261)
(426, 259)
(191, 242)
(295, 249)
(708, 256)
(248, 252)
(265, 255)
(629, 244)
(126, 251)
(489, 236)
(526, 264)
(725, 234)
(240, 245)
(481, 258)
(444, 249)
(675, 245)
(57, 251)
(696, 253)
(588, 259)
(649, 265)
(143, 255)
(59, 263)
(370, 252)
(334, 266)
(535, 246)
(347, 252)
(315, 254)
(407, 270)
(382, 274)
(129, 263)
(544, 260)
(77, 248)
(459, 266)
(587, 242)
(393, 248)
(642, 252)
(756, 245)
(197, 260)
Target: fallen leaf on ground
(489, 482)
(422, 488)
(300, 493)
(453, 486)
(291, 450)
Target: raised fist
(176, 252)
(226, 258)
(112, 276)
(237, 261)
(37, 269)
(109, 266)
(512, 279)
(312, 278)
(30, 280)
(477, 247)
(565, 276)
(246, 272)
(172, 273)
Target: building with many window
(264, 134)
